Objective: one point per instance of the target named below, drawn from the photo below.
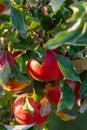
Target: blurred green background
(80, 123)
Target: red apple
(22, 116)
(53, 93)
(26, 117)
(46, 71)
(75, 87)
(2, 7)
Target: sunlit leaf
(66, 37)
(33, 25)
(79, 9)
(38, 90)
(21, 60)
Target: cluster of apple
(12, 84)
(50, 71)
(25, 109)
(47, 71)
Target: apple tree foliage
(34, 26)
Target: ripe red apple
(75, 87)
(26, 117)
(46, 71)
(53, 93)
(2, 7)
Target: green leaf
(56, 4)
(20, 76)
(67, 97)
(3, 26)
(83, 75)
(11, 36)
(5, 119)
(4, 18)
(4, 73)
(81, 41)
(75, 49)
(60, 16)
(83, 88)
(32, 2)
(68, 36)
(24, 44)
(2, 127)
(22, 59)
(7, 95)
(79, 10)
(32, 26)
(17, 18)
(40, 51)
(37, 55)
(45, 22)
(67, 68)
(1, 1)
(4, 109)
(38, 90)
(20, 62)
(27, 106)
(1, 92)
(19, 1)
